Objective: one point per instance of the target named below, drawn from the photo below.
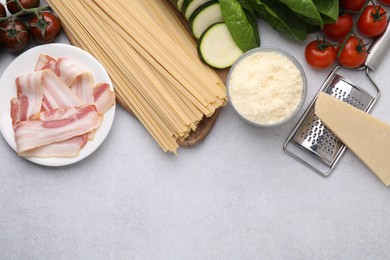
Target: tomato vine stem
(352, 31)
(23, 11)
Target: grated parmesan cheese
(266, 87)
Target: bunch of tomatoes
(346, 45)
(27, 20)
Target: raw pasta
(152, 61)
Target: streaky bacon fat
(68, 71)
(30, 94)
(68, 148)
(70, 123)
(104, 98)
(56, 93)
(82, 87)
(46, 62)
(53, 101)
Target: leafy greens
(241, 24)
(292, 18)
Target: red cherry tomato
(45, 29)
(354, 53)
(14, 8)
(341, 28)
(385, 2)
(352, 5)
(14, 35)
(320, 54)
(2, 11)
(373, 21)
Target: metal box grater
(310, 142)
(318, 147)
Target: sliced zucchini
(189, 6)
(204, 16)
(185, 5)
(179, 4)
(217, 48)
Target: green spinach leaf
(252, 17)
(246, 6)
(282, 19)
(329, 10)
(242, 29)
(306, 9)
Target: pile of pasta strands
(152, 61)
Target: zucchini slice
(204, 16)
(189, 6)
(217, 48)
(179, 4)
(184, 5)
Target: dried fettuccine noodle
(152, 61)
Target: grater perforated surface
(314, 136)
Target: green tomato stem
(352, 32)
(23, 11)
(20, 6)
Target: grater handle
(378, 49)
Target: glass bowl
(257, 68)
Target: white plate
(25, 63)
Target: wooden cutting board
(206, 124)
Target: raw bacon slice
(79, 80)
(104, 98)
(57, 109)
(72, 122)
(29, 90)
(68, 71)
(56, 93)
(46, 62)
(91, 135)
(68, 148)
(29, 97)
(56, 114)
(82, 87)
(18, 110)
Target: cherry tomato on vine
(341, 28)
(373, 21)
(320, 54)
(2, 11)
(14, 8)
(385, 2)
(352, 5)
(14, 35)
(46, 28)
(354, 53)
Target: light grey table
(236, 195)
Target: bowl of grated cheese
(266, 86)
